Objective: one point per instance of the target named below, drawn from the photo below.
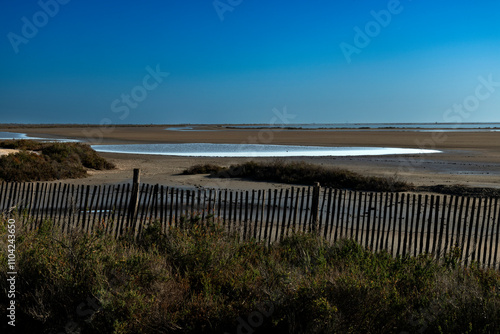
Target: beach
(470, 158)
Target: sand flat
(468, 158)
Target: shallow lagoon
(18, 136)
(252, 150)
(13, 135)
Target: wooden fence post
(315, 207)
(134, 198)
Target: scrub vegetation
(38, 161)
(200, 279)
(302, 173)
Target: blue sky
(234, 61)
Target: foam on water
(252, 150)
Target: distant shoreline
(295, 126)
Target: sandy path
(6, 151)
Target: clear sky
(234, 61)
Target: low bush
(202, 169)
(48, 161)
(303, 173)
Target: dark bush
(48, 161)
(202, 169)
(308, 174)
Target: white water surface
(18, 136)
(253, 150)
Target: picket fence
(401, 223)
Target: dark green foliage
(461, 190)
(308, 174)
(199, 279)
(52, 161)
(202, 169)
(25, 166)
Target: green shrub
(52, 161)
(308, 174)
(202, 169)
(200, 279)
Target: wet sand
(468, 158)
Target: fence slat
(262, 213)
(473, 245)
(3, 185)
(395, 219)
(5, 195)
(22, 200)
(483, 237)
(449, 235)
(469, 234)
(94, 206)
(245, 220)
(338, 219)
(479, 235)
(273, 224)
(254, 216)
(268, 213)
(494, 244)
(440, 251)
(328, 212)
(285, 209)
(115, 210)
(372, 218)
(407, 225)
(497, 233)
(436, 221)
(53, 204)
(340, 224)
(292, 211)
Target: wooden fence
(402, 223)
